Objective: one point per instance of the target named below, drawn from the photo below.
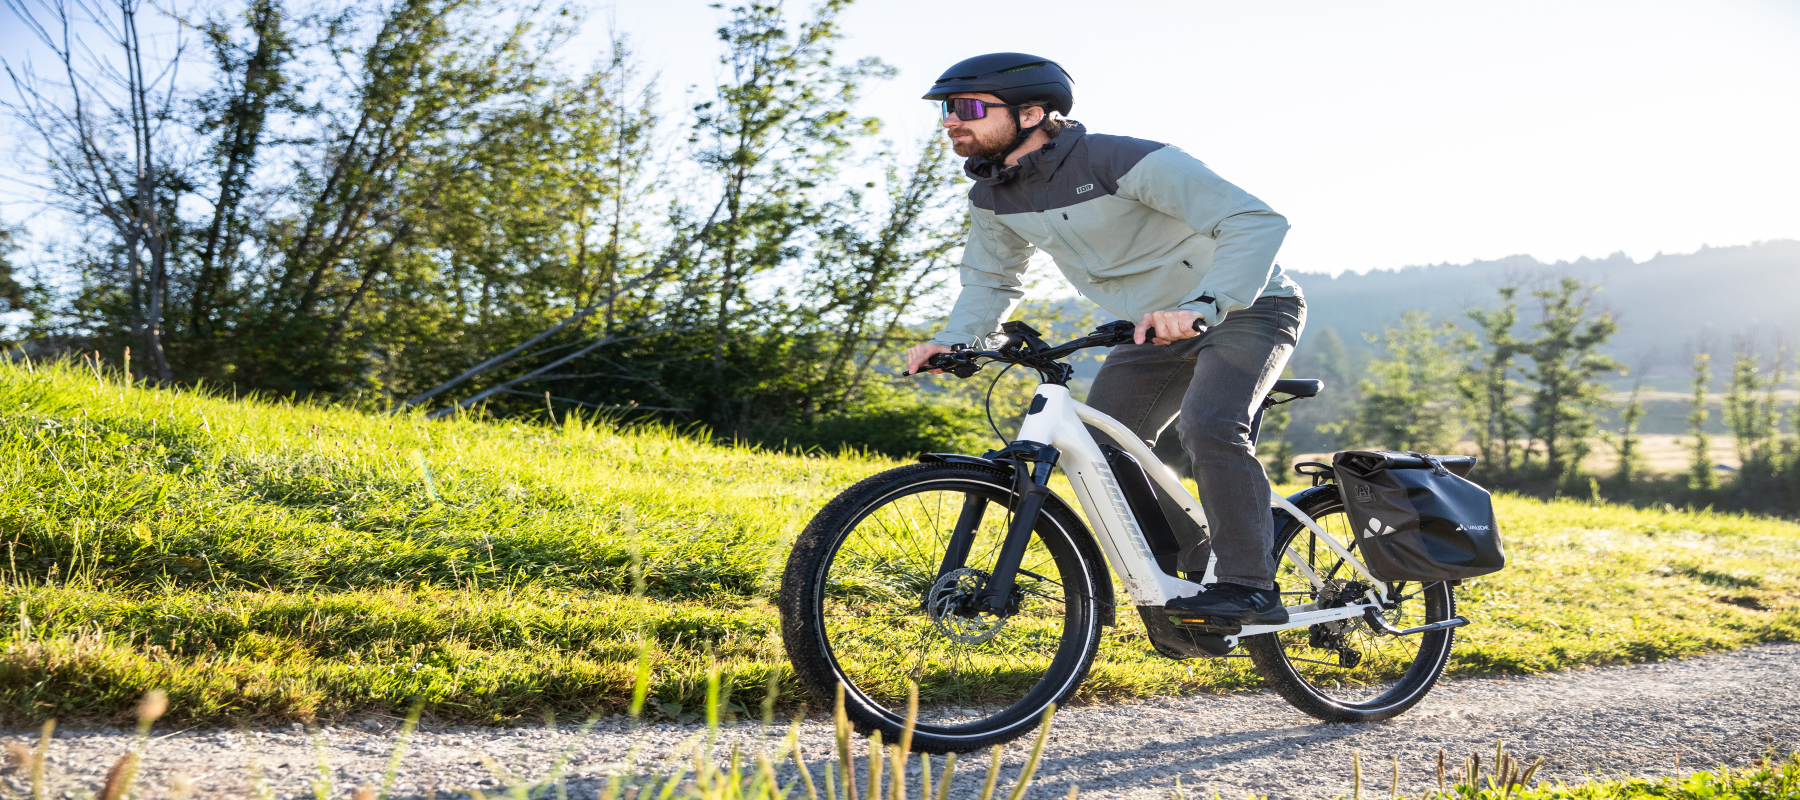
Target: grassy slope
(269, 561)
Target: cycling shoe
(1228, 604)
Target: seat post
(1256, 421)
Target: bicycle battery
(1140, 496)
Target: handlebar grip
(944, 361)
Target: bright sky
(1390, 133)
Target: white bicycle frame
(1059, 422)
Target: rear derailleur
(1331, 635)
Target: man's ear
(1031, 115)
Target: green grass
(266, 561)
(1770, 779)
(1506, 777)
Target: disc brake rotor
(948, 604)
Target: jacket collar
(1039, 164)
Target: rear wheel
(866, 603)
(1346, 671)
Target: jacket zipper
(1092, 253)
(1085, 254)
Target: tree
(780, 126)
(872, 265)
(254, 82)
(1700, 465)
(1566, 366)
(1488, 385)
(1322, 355)
(1751, 413)
(105, 131)
(12, 294)
(1410, 399)
(1628, 444)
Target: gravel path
(1639, 719)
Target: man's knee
(1213, 437)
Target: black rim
(876, 636)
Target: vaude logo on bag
(1472, 527)
(1376, 527)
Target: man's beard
(979, 147)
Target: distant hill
(1666, 304)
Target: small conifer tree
(1700, 469)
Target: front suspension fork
(1032, 489)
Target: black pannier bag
(1416, 517)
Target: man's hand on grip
(918, 354)
(1163, 327)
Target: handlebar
(1023, 346)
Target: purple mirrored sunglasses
(968, 108)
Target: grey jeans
(1214, 383)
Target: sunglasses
(968, 108)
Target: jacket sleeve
(1247, 231)
(993, 265)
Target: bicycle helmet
(1013, 77)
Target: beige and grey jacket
(1137, 226)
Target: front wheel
(869, 601)
(1346, 671)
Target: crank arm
(1383, 626)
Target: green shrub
(898, 423)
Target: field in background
(1663, 453)
(266, 561)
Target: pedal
(1203, 624)
(1214, 646)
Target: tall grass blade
(896, 765)
(912, 718)
(1443, 785)
(1037, 753)
(640, 685)
(400, 745)
(944, 779)
(321, 782)
(846, 756)
(993, 776)
(1394, 788)
(770, 695)
(40, 788)
(812, 791)
(877, 760)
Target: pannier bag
(1416, 517)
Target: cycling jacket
(1137, 226)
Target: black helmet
(1013, 77)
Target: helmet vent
(1022, 68)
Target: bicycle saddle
(1298, 387)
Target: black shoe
(1229, 602)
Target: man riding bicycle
(1150, 234)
